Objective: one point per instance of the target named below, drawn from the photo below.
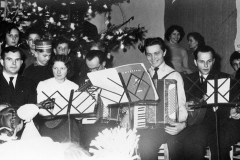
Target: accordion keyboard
(139, 117)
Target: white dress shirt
(7, 77)
(164, 70)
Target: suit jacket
(195, 90)
(24, 92)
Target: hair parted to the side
(204, 49)
(96, 53)
(152, 41)
(62, 58)
(11, 49)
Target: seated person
(59, 88)
(15, 89)
(40, 70)
(29, 52)
(203, 133)
(151, 139)
(62, 47)
(95, 61)
(235, 62)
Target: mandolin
(197, 115)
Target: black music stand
(68, 114)
(216, 104)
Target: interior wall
(148, 14)
(214, 19)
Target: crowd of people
(34, 74)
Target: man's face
(31, 40)
(12, 38)
(62, 49)
(155, 55)
(43, 57)
(204, 62)
(236, 64)
(94, 64)
(12, 62)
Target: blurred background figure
(195, 40)
(235, 63)
(178, 55)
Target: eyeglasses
(94, 69)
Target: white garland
(117, 144)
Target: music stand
(215, 103)
(124, 84)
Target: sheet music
(136, 78)
(223, 91)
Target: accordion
(150, 113)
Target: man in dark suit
(203, 132)
(14, 88)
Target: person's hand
(125, 122)
(175, 128)
(234, 114)
(187, 106)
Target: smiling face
(11, 63)
(59, 71)
(155, 55)
(204, 62)
(12, 38)
(192, 43)
(174, 37)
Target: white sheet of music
(223, 91)
(136, 78)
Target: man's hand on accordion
(175, 128)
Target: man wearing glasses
(95, 61)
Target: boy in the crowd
(40, 70)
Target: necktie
(155, 76)
(201, 79)
(11, 84)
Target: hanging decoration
(69, 18)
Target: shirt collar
(204, 76)
(161, 66)
(7, 77)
